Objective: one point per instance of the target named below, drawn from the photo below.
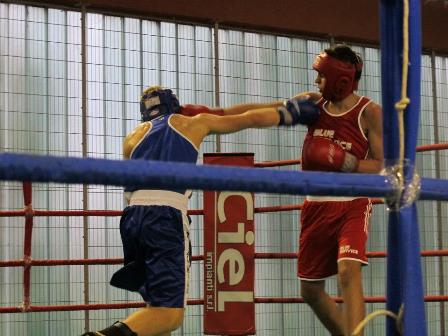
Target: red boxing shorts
(332, 231)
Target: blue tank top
(164, 143)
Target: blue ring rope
(162, 175)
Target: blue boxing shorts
(157, 254)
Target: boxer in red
(346, 138)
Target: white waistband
(158, 197)
(330, 198)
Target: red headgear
(339, 76)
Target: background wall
(347, 20)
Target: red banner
(229, 251)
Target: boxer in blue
(154, 227)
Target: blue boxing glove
(300, 110)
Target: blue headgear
(157, 103)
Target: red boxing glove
(190, 110)
(325, 155)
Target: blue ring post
(404, 276)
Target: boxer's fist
(325, 155)
(300, 110)
(190, 110)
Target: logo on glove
(331, 152)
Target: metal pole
(216, 75)
(85, 203)
(435, 112)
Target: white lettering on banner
(210, 302)
(223, 196)
(232, 256)
(232, 237)
(236, 266)
(233, 296)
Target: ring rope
(398, 320)
(401, 105)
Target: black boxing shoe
(116, 329)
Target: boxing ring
(11, 163)
(401, 189)
(28, 213)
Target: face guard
(157, 103)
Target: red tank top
(344, 129)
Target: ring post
(404, 276)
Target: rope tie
(397, 317)
(402, 104)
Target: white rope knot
(402, 104)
